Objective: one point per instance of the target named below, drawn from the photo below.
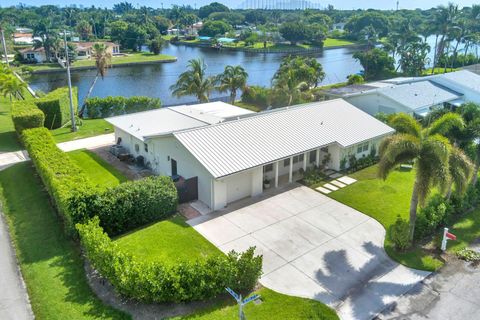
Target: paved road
(314, 247)
(14, 303)
(451, 294)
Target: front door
(174, 167)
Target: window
(268, 168)
(362, 147)
(286, 162)
(298, 158)
(313, 156)
(145, 147)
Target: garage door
(239, 187)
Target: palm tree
(194, 82)
(103, 58)
(430, 151)
(445, 18)
(470, 113)
(10, 85)
(232, 79)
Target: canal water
(155, 80)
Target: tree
(207, 10)
(430, 151)
(232, 79)
(413, 58)
(303, 69)
(376, 20)
(294, 32)
(123, 7)
(470, 136)
(156, 44)
(103, 58)
(161, 23)
(11, 86)
(375, 62)
(232, 18)
(194, 82)
(84, 29)
(214, 28)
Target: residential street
(453, 293)
(14, 303)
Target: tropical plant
(11, 86)
(232, 79)
(103, 58)
(430, 151)
(194, 82)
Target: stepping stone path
(334, 185)
(335, 175)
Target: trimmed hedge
(114, 106)
(63, 179)
(26, 115)
(129, 205)
(56, 107)
(154, 282)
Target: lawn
(173, 240)
(273, 306)
(438, 70)
(88, 128)
(136, 57)
(330, 42)
(8, 137)
(51, 264)
(97, 169)
(384, 201)
(168, 241)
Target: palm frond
(395, 150)
(404, 123)
(461, 169)
(445, 124)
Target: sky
(339, 4)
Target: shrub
(26, 115)
(113, 106)
(434, 215)
(154, 282)
(56, 107)
(468, 255)
(63, 179)
(399, 234)
(133, 204)
(314, 176)
(257, 96)
(355, 79)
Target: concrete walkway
(14, 302)
(314, 247)
(10, 158)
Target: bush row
(77, 198)
(56, 107)
(155, 282)
(113, 106)
(63, 179)
(26, 115)
(129, 205)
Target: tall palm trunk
(435, 54)
(413, 210)
(233, 96)
(89, 92)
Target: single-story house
(338, 26)
(36, 55)
(415, 98)
(465, 82)
(231, 152)
(85, 49)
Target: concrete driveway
(314, 247)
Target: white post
(240, 308)
(72, 111)
(5, 48)
(276, 165)
(444, 239)
(290, 171)
(317, 159)
(305, 161)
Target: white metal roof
(167, 120)
(154, 122)
(465, 78)
(238, 145)
(213, 112)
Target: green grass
(384, 201)
(330, 42)
(168, 241)
(274, 306)
(8, 137)
(88, 128)
(51, 263)
(467, 230)
(172, 241)
(438, 70)
(134, 57)
(97, 169)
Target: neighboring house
(85, 49)
(338, 26)
(415, 98)
(36, 55)
(465, 82)
(229, 152)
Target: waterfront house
(229, 153)
(85, 49)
